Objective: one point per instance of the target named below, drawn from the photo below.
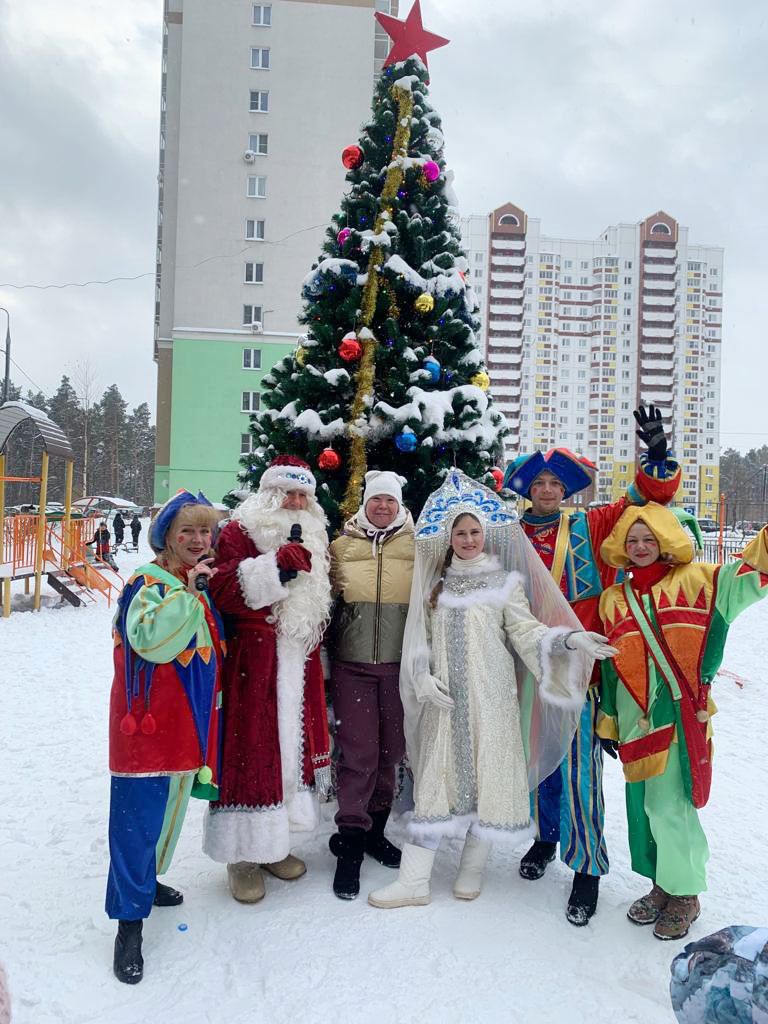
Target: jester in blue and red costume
(568, 806)
(163, 716)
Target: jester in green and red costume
(669, 621)
(568, 806)
(163, 715)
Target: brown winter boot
(246, 882)
(647, 909)
(288, 869)
(677, 917)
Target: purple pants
(369, 733)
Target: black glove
(610, 747)
(651, 432)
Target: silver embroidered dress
(495, 643)
(473, 768)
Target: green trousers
(666, 841)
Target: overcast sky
(585, 113)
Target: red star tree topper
(409, 37)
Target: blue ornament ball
(433, 367)
(406, 441)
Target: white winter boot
(474, 856)
(411, 889)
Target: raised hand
(651, 432)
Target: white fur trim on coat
(429, 833)
(260, 835)
(291, 661)
(568, 696)
(260, 581)
(495, 597)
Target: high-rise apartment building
(577, 333)
(258, 101)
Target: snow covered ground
(301, 954)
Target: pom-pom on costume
(163, 721)
(669, 622)
(568, 806)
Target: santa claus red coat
(275, 729)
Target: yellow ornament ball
(301, 355)
(481, 380)
(424, 303)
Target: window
(258, 142)
(478, 273)
(246, 444)
(257, 187)
(660, 229)
(251, 358)
(478, 257)
(260, 58)
(259, 102)
(251, 315)
(262, 15)
(254, 273)
(254, 230)
(251, 401)
(509, 218)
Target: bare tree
(85, 385)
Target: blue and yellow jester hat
(158, 529)
(570, 469)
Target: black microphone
(294, 537)
(201, 582)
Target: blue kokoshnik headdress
(459, 494)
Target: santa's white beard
(303, 613)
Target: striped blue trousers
(568, 806)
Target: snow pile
(509, 956)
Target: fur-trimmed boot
(376, 843)
(348, 845)
(128, 963)
(411, 888)
(474, 857)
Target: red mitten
(294, 556)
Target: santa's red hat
(288, 473)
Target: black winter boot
(348, 844)
(582, 903)
(377, 845)
(128, 964)
(165, 896)
(534, 863)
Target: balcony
(661, 253)
(508, 243)
(657, 286)
(507, 261)
(658, 332)
(659, 268)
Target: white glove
(431, 690)
(592, 644)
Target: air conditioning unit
(256, 327)
(249, 156)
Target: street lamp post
(7, 380)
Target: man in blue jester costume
(568, 806)
(163, 716)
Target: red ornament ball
(352, 157)
(498, 477)
(431, 170)
(350, 348)
(329, 459)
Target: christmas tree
(389, 375)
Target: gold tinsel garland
(358, 460)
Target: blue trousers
(568, 806)
(136, 813)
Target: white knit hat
(379, 481)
